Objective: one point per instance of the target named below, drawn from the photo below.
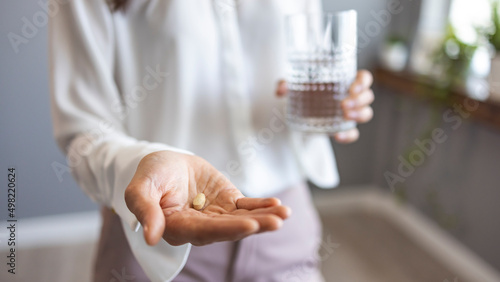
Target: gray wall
(457, 184)
(25, 124)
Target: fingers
(224, 228)
(357, 106)
(363, 81)
(282, 88)
(200, 229)
(256, 203)
(282, 212)
(268, 212)
(268, 222)
(360, 115)
(358, 100)
(269, 219)
(146, 209)
(348, 136)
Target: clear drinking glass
(321, 53)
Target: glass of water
(321, 54)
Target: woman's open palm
(161, 195)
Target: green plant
(494, 36)
(452, 60)
(394, 39)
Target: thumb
(281, 88)
(146, 208)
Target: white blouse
(186, 75)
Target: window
(467, 16)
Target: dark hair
(116, 5)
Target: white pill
(199, 201)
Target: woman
(140, 86)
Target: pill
(199, 201)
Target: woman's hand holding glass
(356, 106)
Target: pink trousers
(289, 254)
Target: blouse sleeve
(89, 127)
(314, 6)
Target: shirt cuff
(125, 168)
(316, 158)
(163, 261)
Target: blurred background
(419, 192)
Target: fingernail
(342, 135)
(352, 115)
(358, 88)
(349, 104)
